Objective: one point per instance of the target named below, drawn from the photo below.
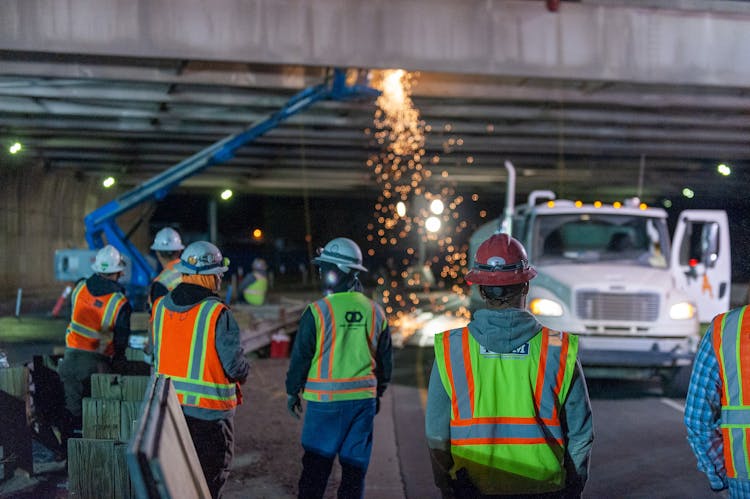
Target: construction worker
(341, 362)
(508, 411)
(716, 409)
(196, 342)
(98, 332)
(255, 284)
(167, 245)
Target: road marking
(674, 405)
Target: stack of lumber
(15, 430)
(96, 462)
(259, 323)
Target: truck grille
(596, 305)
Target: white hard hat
(202, 257)
(342, 252)
(108, 261)
(167, 239)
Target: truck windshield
(597, 237)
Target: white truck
(611, 275)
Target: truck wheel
(675, 383)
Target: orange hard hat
(500, 261)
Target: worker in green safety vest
(508, 412)
(255, 285)
(341, 364)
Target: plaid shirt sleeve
(703, 413)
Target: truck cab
(611, 275)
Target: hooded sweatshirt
(503, 331)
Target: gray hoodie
(502, 331)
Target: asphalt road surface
(640, 448)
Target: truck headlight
(681, 311)
(543, 306)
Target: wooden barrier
(96, 463)
(161, 456)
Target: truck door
(701, 260)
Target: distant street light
(226, 194)
(724, 169)
(108, 182)
(688, 192)
(15, 148)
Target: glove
(294, 405)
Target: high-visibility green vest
(732, 349)
(348, 327)
(505, 427)
(255, 293)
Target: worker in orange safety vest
(97, 335)
(508, 412)
(168, 246)
(196, 343)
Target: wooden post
(118, 387)
(97, 469)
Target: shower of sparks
(409, 189)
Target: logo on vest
(353, 316)
(520, 351)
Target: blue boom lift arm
(101, 224)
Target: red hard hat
(500, 261)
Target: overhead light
(257, 234)
(436, 206)
(401, 208)
(109, 182)
(688, 192)
(15, 148)
(667, 203)
(432, 224)
(724, 169)
(226, 194)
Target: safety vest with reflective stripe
(255, 293)
(732, 349)
(92, 322)
(348, 327)
(505, 426)
(168, 277)
(185, 350)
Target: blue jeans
(341, 428)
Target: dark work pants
(214, 444)
(315, 472)
(75, 371)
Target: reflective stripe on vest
(490, 428)
(169, 277)
(93, 319)
(184, 350)
(732, 350)
(351, 323)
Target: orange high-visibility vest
(92, 323)
(505, 424)
(732, 348)
(349, 326)
(185, 350)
